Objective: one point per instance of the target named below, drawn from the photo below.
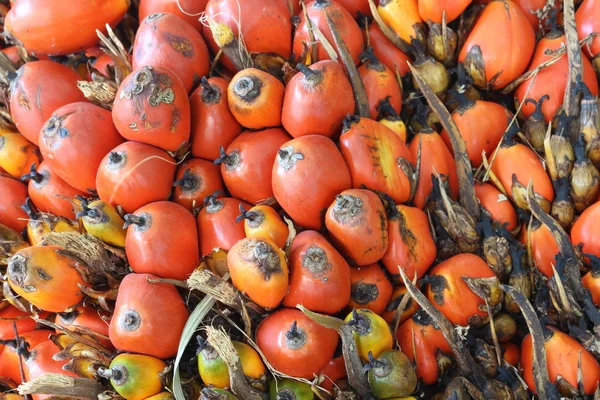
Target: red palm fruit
(75, 140)
(543, 248)
(341, 18)
(481, 125)
(217, 226)
(22, 319)
(498, 62)
(357, 226)
(140, 323)
(152, 107)
(195, 179)
(551, 81)
(317, 272)
(188, 10)
(317, 100)
(164, 40)
(162, 240)
(307, 156)
(499, 207)
(435, 158)
(264, 29)
(587, 18)
(49, 192)
(34, 95)
(372, 152)
(411, 244)
(371, 289)
(380, 83)
(294, 344)
(86, 318)
(213, 124)
(247, 164)
(10, 359)
(387, 52)
(14, 194)
(135, 174)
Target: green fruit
(288, 389)
(392, 375)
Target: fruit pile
(279, 199)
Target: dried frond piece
(207, 282)
(117, 52)
(100, 92)
(221, 342)
(62, 385)
(91, 251)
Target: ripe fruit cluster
(244, 199)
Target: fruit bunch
(280, 199)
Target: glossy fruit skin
(63, 27)
(261, 107)
(591, 282)
(387, 52)
(499, 207)
(587, 22)
(17, 154)
(301, 362)
(34, 95)
(213, 124)
(214, 372)
(166, 244)
(217, 227)
(357, 226)
(435, 158)
(375, 338)
(317, 103)
(543, 248)
(371, 151)
(107, 225)
(47, 195)
(142, 375)
(585, 230)
(135, 174)
(512, 353)
(481, 126)
(148, 303)
(259, 269)
(266, 29)
(52, 275)
(333, 371)
(319, 275)
(342, 19)
(380, 83)
(266, 222)
(164, 40)
(87, 318)
(562, 354)
(552, 81)
(9, 359)
(75, 140)
(302, 157)
(12, 314)
(520, 160)
(508, 58)
(460, 304)
(402, 17)
(428, 342)
(529, 7)
(414, 255)
(41, 362)
(371, 289)
(204, 178)
(390, 312)
(14, 194)
(188, 10)
(152, 107)
(249, 165)
(432, 10)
